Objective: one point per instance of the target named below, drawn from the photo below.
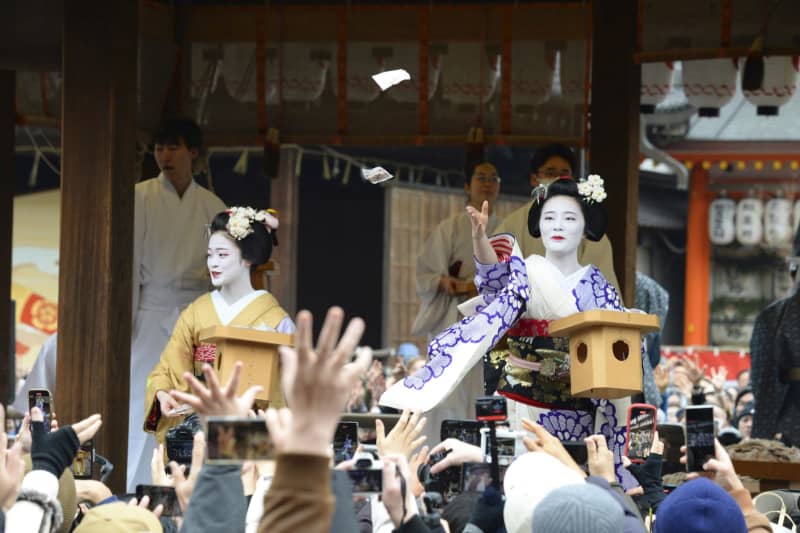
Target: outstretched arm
(481, 246)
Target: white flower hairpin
(241, 218)
(592, 189)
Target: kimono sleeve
(176, 359)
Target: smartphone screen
(464, 430)
(641, 431)
(235, 440)
(345, 441)
(699, 436)
(160, 496)
(42, 399)
(366, 482)
(577, 450)
(476, 477)
(673, 438)
(84, 460)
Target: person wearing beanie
(578, 509)
(699, 506)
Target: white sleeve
(27, 515)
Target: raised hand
(479, 219)
(403, 436)
(317, 380)
(215, 400)
(184, 485)
(458, 453)
(601, 459)
(12, 468)
(547, 443)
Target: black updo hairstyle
(256, 247)
(593, 213)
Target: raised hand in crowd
(184, 485)
(144, 503)
(720, 468)
(419, 458)
(648, 474)
(600, 458)
(55, 451)
(397, 495)
(545, 442)
(12, 467)
(317, 380)
(458, 453)
(404, 437)
(213, 400)
(91, 490)
(24, 435)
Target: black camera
(180, 441)
(491, 409)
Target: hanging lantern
(721, 220)
(709, 84)
(749, 220)
(778, 230)
(532, 72)
(656, 84)
(780, 82)
(796, 215)
(571, 67)
(464, 81)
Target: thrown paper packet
(390, 78)
(376, 175)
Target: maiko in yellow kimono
(185, 352)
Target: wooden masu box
(605, 351)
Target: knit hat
(578, 509)
(528, 480)
(66, 494)
(119, 517)
(699, 506)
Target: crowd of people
(407, 477)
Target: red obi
(205, 353)
(528, 327)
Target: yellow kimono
(185, 353)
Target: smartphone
(160, 496)
(577, 450)
(476, 477)
(673, 438)
(345, 441)
(366, 482)
(83, 463)
(42, 399)
(234, 440)
(641, 431)
(464, 430)
(699, 436)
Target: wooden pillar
(7, 184)
(97, 180)
(698, 261)
(614, 136)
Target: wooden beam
(98, 157)
(7, 184)
(614, 137)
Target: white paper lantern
(709, 84)
(656, 84)
(721, 221)
(362, 63)
(778, 229)
(571, 67)
(532, 71)
(796, 215)
(405, 55)
(778, 87)
(749, 221)
(469, 72)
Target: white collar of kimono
(227, 313)
(551, 291)
(168, 185)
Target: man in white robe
(169, 272)
(445, 272)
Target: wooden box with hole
(605, 351)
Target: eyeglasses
(487, 179)
(553, 173)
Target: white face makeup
(561, 224)
(225, 263)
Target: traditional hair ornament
(592, 189)
(241, 218)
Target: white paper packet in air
(376, 175)
(390, 77)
